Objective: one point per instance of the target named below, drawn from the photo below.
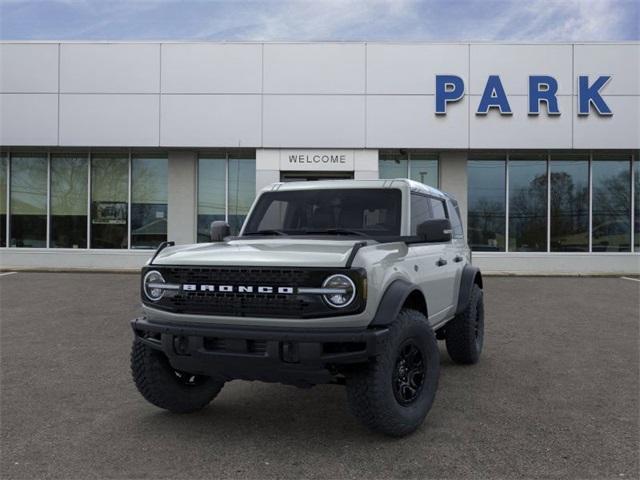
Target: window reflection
(527, 203)
(636, 190)
(211, 194)
(487, 205)
(109, 194)
(424, 169)
(28, 201)
(242, 189)
(149, 194)
(69, 201)
(393, 165)
(3, 199)
(569, 203)
(611, 181)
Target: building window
(611, 210)
(569, 202)
(212, 174)
(28, 204)
(109, 197)
(486, 177)
(528, 203)
(68, 209)
(149, 194)
(241, 190)
(4, 165)
(419, 166)
(226, 190)
(636, 202)
(559, 211)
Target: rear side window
(456, 220)
(438, 208)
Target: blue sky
(305, 20)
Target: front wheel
(165, 387)
(394, 393)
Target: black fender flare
(392, 301)
(470, 275)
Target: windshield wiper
(337, 231)
(265, 232)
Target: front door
(311, 176)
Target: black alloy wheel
(408, 374)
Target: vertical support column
(182, 207)
(365, 165)
(453, 179)
(267, 167)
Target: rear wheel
(168, 388)
(394, 393)
(465, 333)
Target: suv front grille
(274, 305)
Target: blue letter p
(449, 88)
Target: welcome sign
(317, 160)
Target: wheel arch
(398, 295)
(470, 276)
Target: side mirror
(436, 230)
(218, 230)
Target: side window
(439, 210)
(420, 211)
(456, 222)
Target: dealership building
(107, 149)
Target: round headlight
(152, 285)
(344, 291)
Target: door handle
(441, 262)
(458, 258)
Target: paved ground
(555, 395)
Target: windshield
(371, 212)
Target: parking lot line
(7, 273)
(632, 279)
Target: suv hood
(281, 252)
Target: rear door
(430, 265)
(449, 272)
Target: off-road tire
(162, 386)
(465, 333)
(371, 389)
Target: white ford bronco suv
(342, 281)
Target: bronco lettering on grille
(192, 287)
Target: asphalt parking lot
(555, 395)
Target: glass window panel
(69, 178)
(28, 201)
(242, 190)
(393, 165)
(438, 208)
(456, 219)
(109, 196)
(569, 203)
(211, 194)
(3, 199)
(527, 204)
(486, 217)
(420, 211)
(149, 194)
(611, 230)
(636, 189)
(424, 169)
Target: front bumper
(304, 357)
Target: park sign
(542, 89)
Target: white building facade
(107, 149)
